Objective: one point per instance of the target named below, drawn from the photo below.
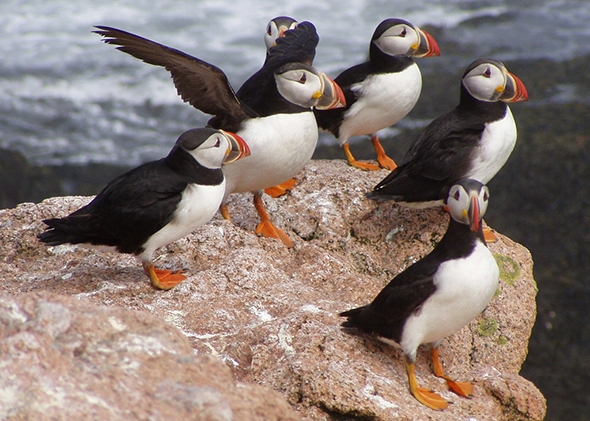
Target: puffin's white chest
(197, 206)
(384, 99)
(464, 289)
(496, 145)
(280, 146)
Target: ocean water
(66, 97)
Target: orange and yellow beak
(515, 91)
(239, 147)
(428, 46)
(473, 214)
(331, 95)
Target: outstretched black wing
(199, 83)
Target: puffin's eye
(403, 33)
(457, 195)
(218, 143)
(485, 196)
(268, 30)
(303, 78)
(488, 72)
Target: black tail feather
(354, 317)
(53, 237)
(59, 232)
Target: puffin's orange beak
(332, 95)
(428, 46)
(239, 147)
(515, 90)
(473, 214)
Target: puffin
(156, 203)
(474, 140)
(381, 91)
(272, 111)
(276, 28)
(438, 295)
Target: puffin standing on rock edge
(474, 140)
(381, 91)
(272, 110)
(438, 295)
(156, 203)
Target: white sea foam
(67, 97)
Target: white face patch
(485, 82)
(459, 202)
(299, 86)
(212, 152)
(398, 40)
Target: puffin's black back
(404, 295)
(259, 91)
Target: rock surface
(271, 314)
(67, 359)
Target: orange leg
(425, 396)
(162, 279)
(382, 158)
(224, 211)
(352, 161)
(281, 189)
(266, 228)
(464, 389)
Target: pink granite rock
(271, 314)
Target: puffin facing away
(271, 111)
(472, 141)
(381, 91)
(438, 295)
(156, 203)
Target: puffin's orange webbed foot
(269, 230)
(266, 228)
(424, 396)
(281, 189)
(464, 389)
(382, 158)
(163, 279)
(366, 166)
(489, 236)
